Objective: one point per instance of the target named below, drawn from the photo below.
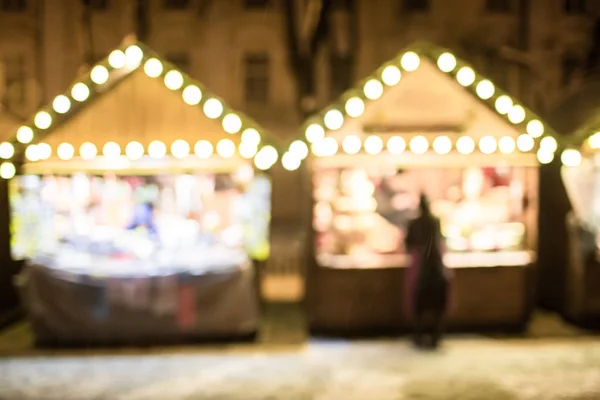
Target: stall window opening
(340, 73)
(176, 4)
(574, 6)
(570, 65)
(256, 78)
(13, 5)
(498, 6)
(414, 5)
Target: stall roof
(424, 96)
(136, 102)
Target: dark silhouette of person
(428, 287)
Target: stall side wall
(9, 302)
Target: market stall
(139, 203)
(423, 122)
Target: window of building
(180, 60)
(570, 64)
(176, 4)
(15, 78)
(415, 5)
(340, 74)
(574, 6)
(256, 4)
(256, 79)
(13, 5)
(498, 6)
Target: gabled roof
(356, 101)
(123, 64)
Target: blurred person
(428, 289)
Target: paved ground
(553, 361)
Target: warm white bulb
(213, 108)
(442, 145)
(116, 59)
(247, 150)
(314, 133)
(7, 150)
(157, 149)
(7, 170)
(503, 104)
(134, 56)
(373, 89)
(410, 61)
(333, 120)
(173, 80)
(548, 143)
(506, 144)
(355, 107)
(65, 151)
(180, 149)
(61, 104)
(299, 149)
(485, 89)
(153, 68)
(396, 145)
(265, 158)
(88, 151)
(99, 74)
(535, 128)
(446, 62)
(111, 150)
(544, 156)
(391, 75)
(373, 145)
(326, 147)
(594, 141)
(516, 115)
(231, 123)
(24, 134)
(525, 143)
(203, 149)
(571, 157)
(42, 120)
(44, 151)
(465, 145)
(225, 148)
(290, 162)
(419, 144)
(251, 136)
(488, 145)
(31, 153)
(465, 76)
(134, 150)
(351, 144)
(80, 92)
(192, 95)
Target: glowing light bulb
(419, 144)
(153, 68)
(410, 61)
(535, 128)
(544, 156)
(80, 92)
(203, 149)
(290, 162)
(251, 136)
(396, 145)
(44, 151)
(88, 151)
(488, 145)
(442, 145)
(247, 150)
(134, 150)
(180, 149)
(7, 170)
(266, 158)
(351, 144)
(134, 56)
(192, 95)
(42, 120)
(173, 80)
(7, 150)
(157, 149)
(111, 150)
(65, 151)
(231, 123)
(373, 145)
(299, 149)
(465, 76)
(446, 62)
(314, 133)
(503, 104)
(355, 107)
(116, 59)
(594, 141)
(326, 147)
(485, 89)
(391, 75)
(525, 143)
(506, 144)
(24, 134)
(373, 89)
(213, 108)
(516, 115)
(31, 153)
(570, 157)
(548, 143)
(225, 148)
(465, 145)
(99, 74)
(333, 120)
(61, 104)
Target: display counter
(78, 299)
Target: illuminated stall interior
(137, 161)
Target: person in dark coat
(428, 278)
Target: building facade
(535, 49)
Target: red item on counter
(187, 307)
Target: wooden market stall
(423, 122)
(138, 201)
